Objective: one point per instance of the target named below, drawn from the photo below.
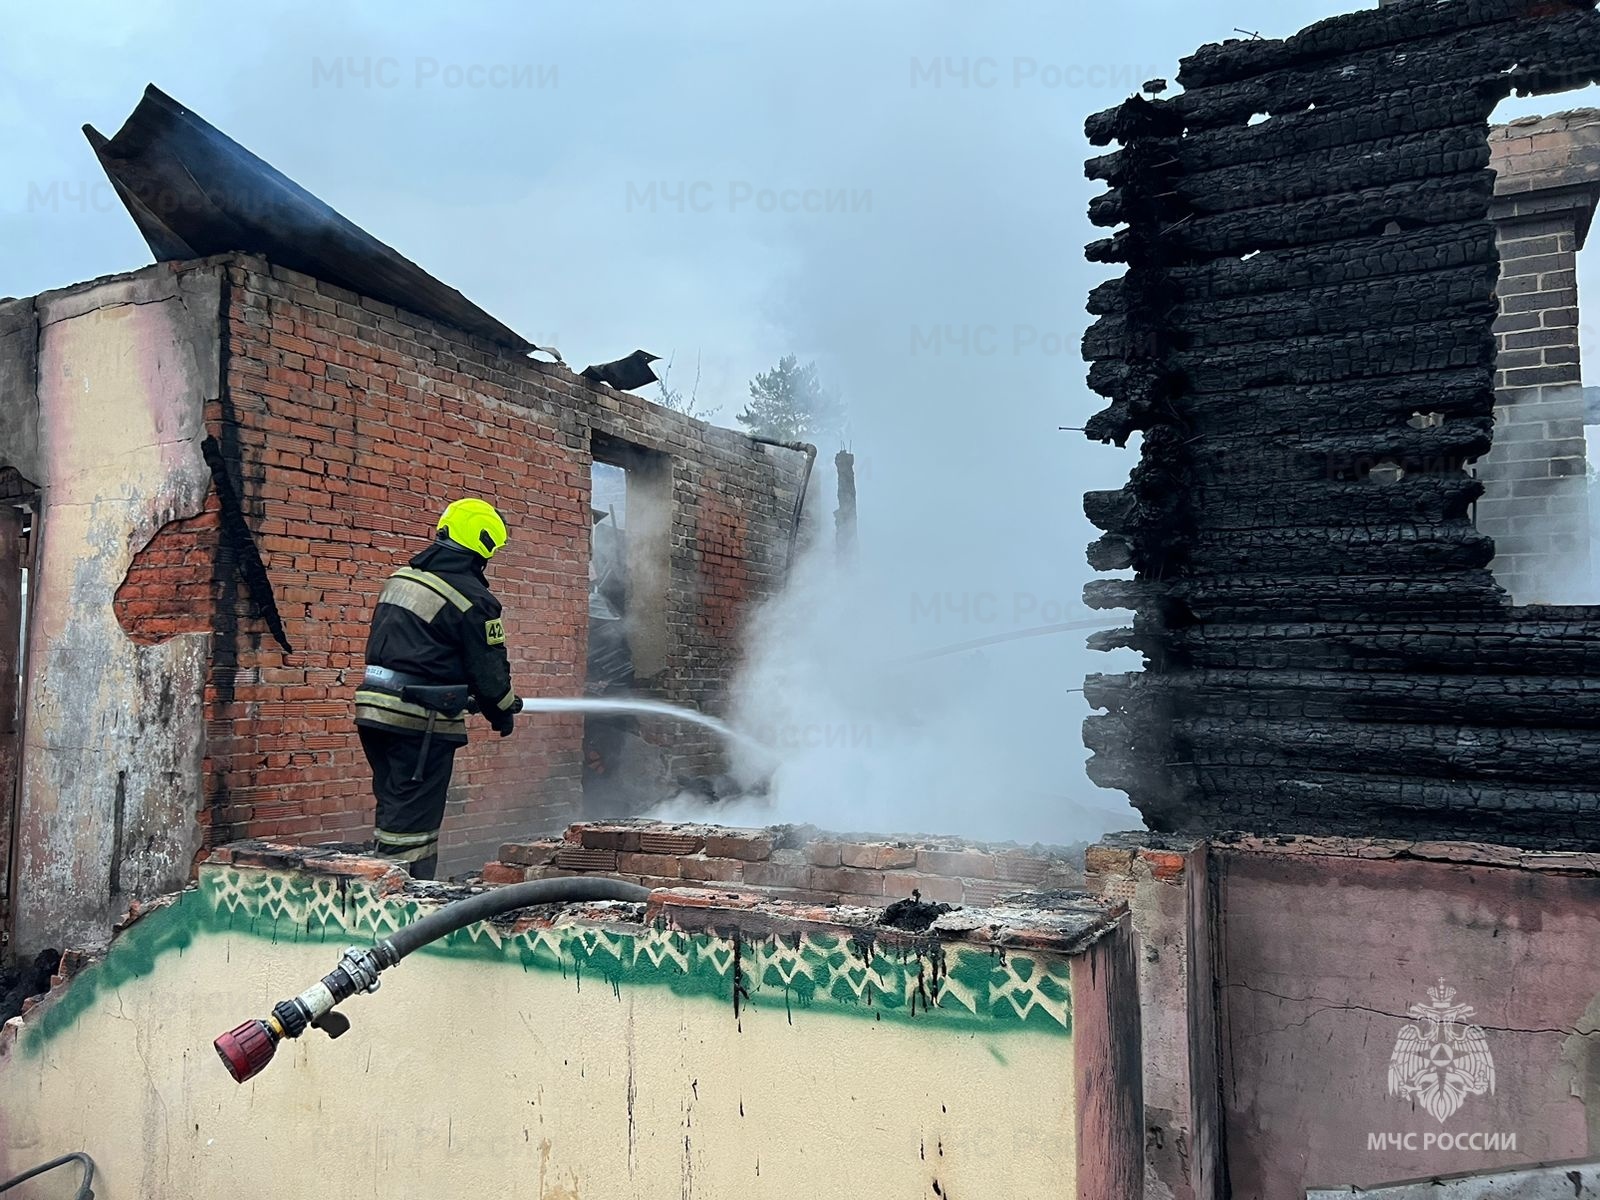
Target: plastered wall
(1164, 882)
(1326, 951)
(109, 425)
(591, 1056)
(1283, 981)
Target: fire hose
(247, 1049)
(85, 1185)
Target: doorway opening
(629, 572)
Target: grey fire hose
(505, 899)
(85, 1189)
(250, 1047)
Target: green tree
(791, 404)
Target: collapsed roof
(195, 192)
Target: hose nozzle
(247, 1049)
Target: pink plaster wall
(1320, 954)
(1164, 880)
(1110, 1110)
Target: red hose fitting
(245, 1050)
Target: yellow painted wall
(579, 1060)
(124, 368)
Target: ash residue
(20, 982)
(912, 914)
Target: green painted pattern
(960, 988)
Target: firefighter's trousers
(409, 813)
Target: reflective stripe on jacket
(436, 620)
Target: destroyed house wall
(1308, 305)
(346, 426)
(231, 458)
(104, 387)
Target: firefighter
(437, 638)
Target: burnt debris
(913, 914)
(1310, 267)
(22, 981)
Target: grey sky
(968, 223)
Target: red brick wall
(792, 862)
(724, 580)
(170, 588)
(345, 427)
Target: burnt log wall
(1303, 338)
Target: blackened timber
(1353, 33)
(1377, 406)
(1111, 552)
(1531, 816)
(1462, 291)
(1338, 264)
(1350, 406)
(1431, 154)
(1460, 752)
(1358, 505)
(1285, 456)
(1567, 648)
(1402, 349)
(1552, 40)
(1474, 754)
(1539, 817)
(1467, 594)
(1303, 337)
(1369, 550)
(1517, 701)
(1383, 119)
(1310, 222)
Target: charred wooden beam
(1245, 597)
(1436, 248)
(1460, 701)
(1307, 222)
(1342, 309)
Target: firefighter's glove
(504, 725)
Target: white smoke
(872, 735)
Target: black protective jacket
(437, 622)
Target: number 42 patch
(495, 631)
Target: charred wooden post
(844, 516)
